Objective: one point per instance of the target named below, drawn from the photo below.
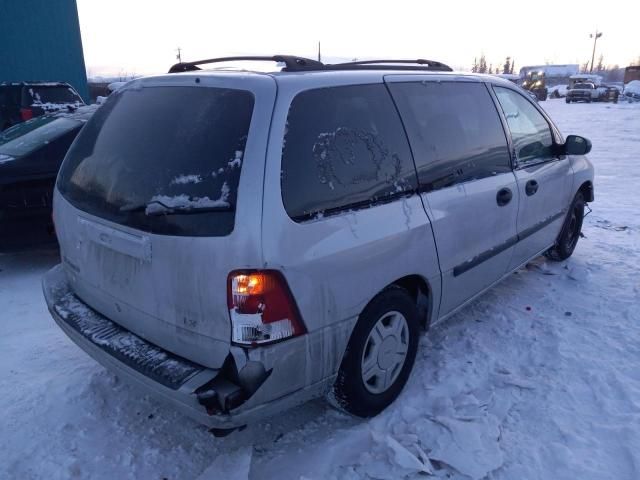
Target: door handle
(531, 187)
(504, 196)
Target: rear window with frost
(344, 149)
(58, 94)
(165, 160)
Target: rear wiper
(155, 208)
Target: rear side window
(38, 95)
(165, 160)
(345, 148)
(455, 132)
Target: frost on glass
(345, 146)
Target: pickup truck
(588, 92)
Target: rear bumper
(210, 396)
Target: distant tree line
(480, 66)
(609, 73)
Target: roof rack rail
(302, 64)
(418, 64)
(292, 63)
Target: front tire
(570, 233)
(380, 354)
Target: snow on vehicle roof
(36, 84)
(113, 86)
(586, 75)
(508, 76)
(633, 87)
(81, 113)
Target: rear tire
(380, 354)
(567, 100)
(570, 233)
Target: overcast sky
(141, 36)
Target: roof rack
(292, 63)
(418, 64)
(301, 64)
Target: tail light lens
(26, 114)
(261, 308)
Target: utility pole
(319, 54)
(595, 37)
(179, 55)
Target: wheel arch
(420, 290)
(587, 191)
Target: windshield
(151, 155)
(583, 86)
(52, 94)
(26, 137)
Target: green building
(40, 41)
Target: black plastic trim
(531, 230)
(484, 256)
(292, 63)
(417, 64)
(151, 361)
(354, 206)
(492, 252)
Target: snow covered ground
(538, 379)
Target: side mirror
(577, 145)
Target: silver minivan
(238, 242)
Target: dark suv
(25, 100)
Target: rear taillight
(26, 114)
(261, 308)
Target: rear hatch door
(159, 199)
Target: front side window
(455, 131)
(530, 131)
(344, 148)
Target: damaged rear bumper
(250, 386)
